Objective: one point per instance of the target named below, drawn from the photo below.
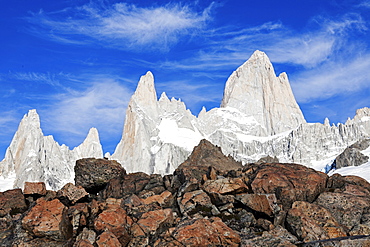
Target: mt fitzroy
(258, 117)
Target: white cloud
(122, 25)
(230, 46)
(102, 105)
(332, 79)
(48, 78)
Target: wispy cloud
(121, 25)
(102, 105)
(333, 78)
(48, 78)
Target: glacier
(258, 117)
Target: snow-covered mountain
(258, 117)
(34, 157)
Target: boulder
(48, 219)
(352, 155)
(93, 174)
(311, 222)
(34, 188)
(87, 236)
(262, 203)
(289, 182)
(78, 215)
(12, 202)
(195, 202)
(108, 239)
(347, 209)
(154, 222)
(124, 186)
(206, 232)
(225, 186)
(116, 221)
(165, 199)
(71, 193)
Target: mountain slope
(34, 157)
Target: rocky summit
(209, 200)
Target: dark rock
(206, 154)
(12, 202)
(279, 236)
(347, 209)
(78, 215)
(87, 236)
(352, 155)
(195, 202)
(93, 174)
(125, 186)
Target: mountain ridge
(159, 134)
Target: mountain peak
(145, 91)
(255, 90)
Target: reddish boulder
(108, 239)
(289, 182)
(116, 221)
(205, 232)
(165, 199)
(48, 219)
(154, 222)
(12, 202)
(82, 243)
(263, 203)
(312, 222)
(225, 186)
(34, 188)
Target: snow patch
(7, 183)
(169, 132)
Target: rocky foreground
(210, 200)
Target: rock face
(254, 90)
(34, 157)
(247, 206)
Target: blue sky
(78, 62)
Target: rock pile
(267, 204)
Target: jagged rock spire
(255, 90)
(34, 157)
